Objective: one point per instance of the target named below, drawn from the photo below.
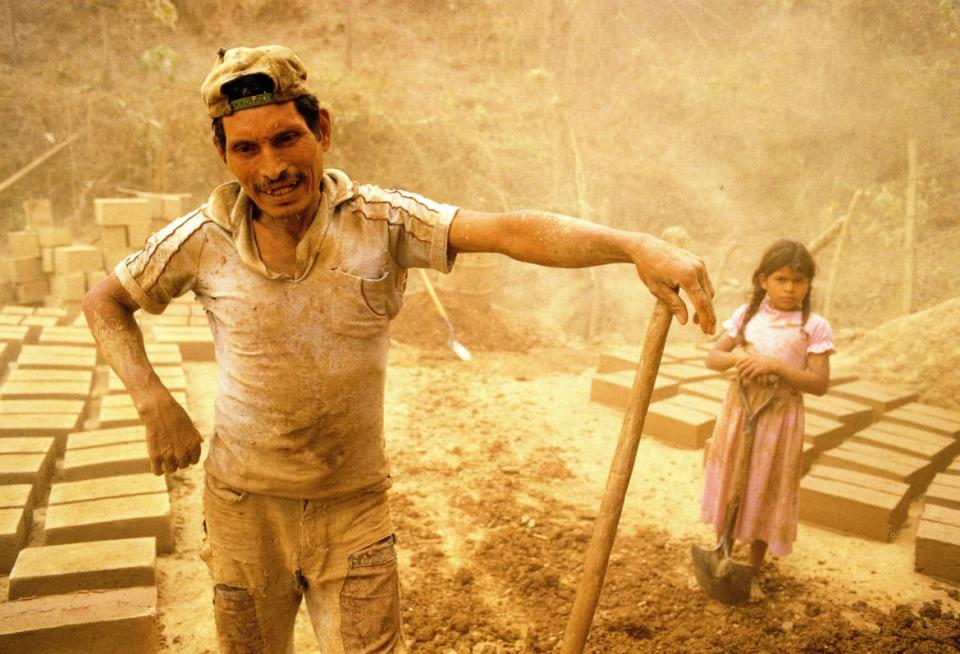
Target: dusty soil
(499, 465)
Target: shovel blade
(720, 577)
(460, 350)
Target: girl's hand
(753, 366)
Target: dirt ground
(499, 464)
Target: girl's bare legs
(758, 550)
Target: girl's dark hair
(780, 254)
(307, 105)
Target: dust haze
(740, 122)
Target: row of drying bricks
(869, 449)
(82, 518)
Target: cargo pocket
(370, 601)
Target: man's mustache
(284, 179)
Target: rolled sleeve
(131, 286)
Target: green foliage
(161, 58)
(164, 11)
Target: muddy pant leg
(248, 554)
(353, 593)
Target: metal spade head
(719, 576)
(460, 350)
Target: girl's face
(785, 288)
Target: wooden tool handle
(427, 284)
(605, 527)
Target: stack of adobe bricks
(869, 449)
(44, 265)
(82, 572)
(125, 223)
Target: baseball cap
(249, 77)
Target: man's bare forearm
(118, 335)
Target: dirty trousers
(266, 553)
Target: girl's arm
(815, 379)
(722, 357)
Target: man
(300, 270)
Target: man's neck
(294, 226)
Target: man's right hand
(173, 441)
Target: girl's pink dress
(769, 510)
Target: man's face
(276, 158)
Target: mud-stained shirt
(302, 359)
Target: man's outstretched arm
(560, 241)
(172, 439)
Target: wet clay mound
(920, 350)
(518, 593)
(477, 324)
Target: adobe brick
(873, 482)
(937, 551)
(13, 536)
(76, 258)
(57, 356)
(34, 468)
(712, 389)
(881, 398)
(51, 236)
(613, 389)
(945, 495)
(704, 405)
(45, 425)
(31, 292)
(941, 514)
(848, 508)
(905, 416)
(66, 335)
(895, 443)
(935, 411)
(68, 286)
(92, 622)
(23, 243)
(882, 465)
(824, 433)
(20, 270)
(950, 445)
(129, 516)
(113, 237)
(96, 565)
(111, 436)
(848, 412)
(105, 461)
(687, 372)
(67, 492)
(39, 321)
(122, 211)
(678, 425)
(38, 211)
(76, 407)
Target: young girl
(777, 347)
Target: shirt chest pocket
(362, 307)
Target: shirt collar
(232, 210)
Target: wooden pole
(909, 266)
(826, 236)
(605, 528)
(14, 178)
(844, 229)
